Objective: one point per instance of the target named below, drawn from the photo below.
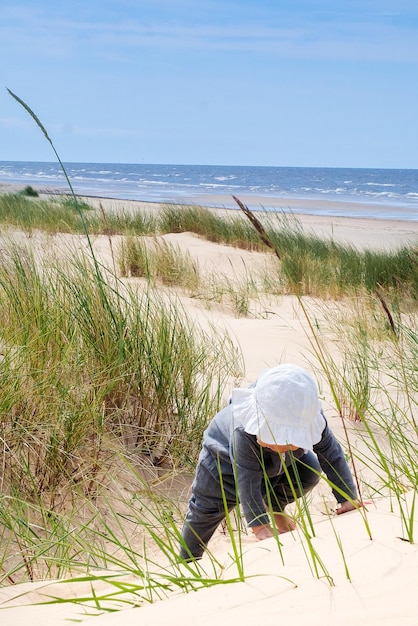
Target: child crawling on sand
(268, 446)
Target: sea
(348, 192)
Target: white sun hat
(282, 408)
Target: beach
(321, 217)
(360, 232)
(382, 564)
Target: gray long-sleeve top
(243, 463)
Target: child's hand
(262, 532)
(284, 523)
(351, 506)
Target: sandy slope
(374, 583)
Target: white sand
(378, 588)
(383, 570)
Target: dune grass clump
(67, 214)
(19, 211)
(158, 260)
(98, 381)
(323, 268)
(86, 363)
(230, 230)
(30, 191)
(374, 384)
(124, 222)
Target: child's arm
(332, 460)
(249, 478)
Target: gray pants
(207, 510)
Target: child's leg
(199, 526)
(205, 512)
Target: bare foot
(284, 523)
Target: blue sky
(235, 82)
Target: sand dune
(368, 580)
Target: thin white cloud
(15, 122)
(109, 132)
(348, 39)
(57, 130)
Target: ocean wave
(151, 182)
(217, 186)
(378, 188)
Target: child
(268, 445)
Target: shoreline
(302, 205)
(360, 231)
(226, 201)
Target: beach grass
(158, 261)
(101, 380)
(373, 380)
(103, 383)
(84, 360)
(99, 384)
(310, 265)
